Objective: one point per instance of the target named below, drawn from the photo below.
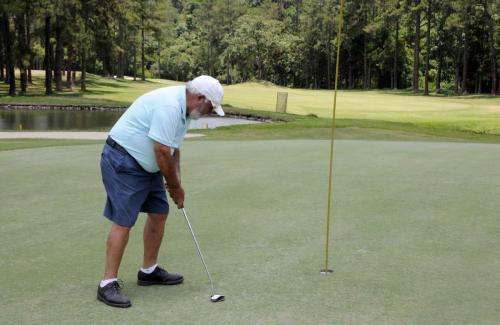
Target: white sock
(106, 282)
(149, 270)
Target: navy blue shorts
(130, 188)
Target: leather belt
(112, 143)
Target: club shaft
(198, 250)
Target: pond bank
(56, 107)
(76, 135)
(28, 117)
(63, 107)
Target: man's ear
(201, 98)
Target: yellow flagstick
(326, 270)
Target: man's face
(204, 108)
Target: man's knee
(157, 217)
(118, 232)
(118, 229)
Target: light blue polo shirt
(160, 116)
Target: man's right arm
(169, 167)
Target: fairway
(379, 109)
(415, 236)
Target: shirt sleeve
(164, 124)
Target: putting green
(415, 236)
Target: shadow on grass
(64, 99)
(32, 93)
(112, 84)
(37, 88)
(410, 93)
(442, 94)
(115, 82)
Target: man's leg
(108, 290)
(117, 241)
(153, 235)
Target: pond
(45, 120)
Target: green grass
(415, 236)
(474, 114)
(396, 113)
(100, 91)
(14, 144)
(310, 127)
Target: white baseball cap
(212, 90)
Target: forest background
(448, 47)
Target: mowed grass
(14, 144)
(100, 91)
(476, 114)
(465, 117)
(415, 236)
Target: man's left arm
(177, 163)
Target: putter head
(217, 298)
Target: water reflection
(44, 120)
(57, 120)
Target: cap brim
(219, 111)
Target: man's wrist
(173, 187)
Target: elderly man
(142, 149)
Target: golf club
(213, 297)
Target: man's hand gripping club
(168, 160)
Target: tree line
(427, 45)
